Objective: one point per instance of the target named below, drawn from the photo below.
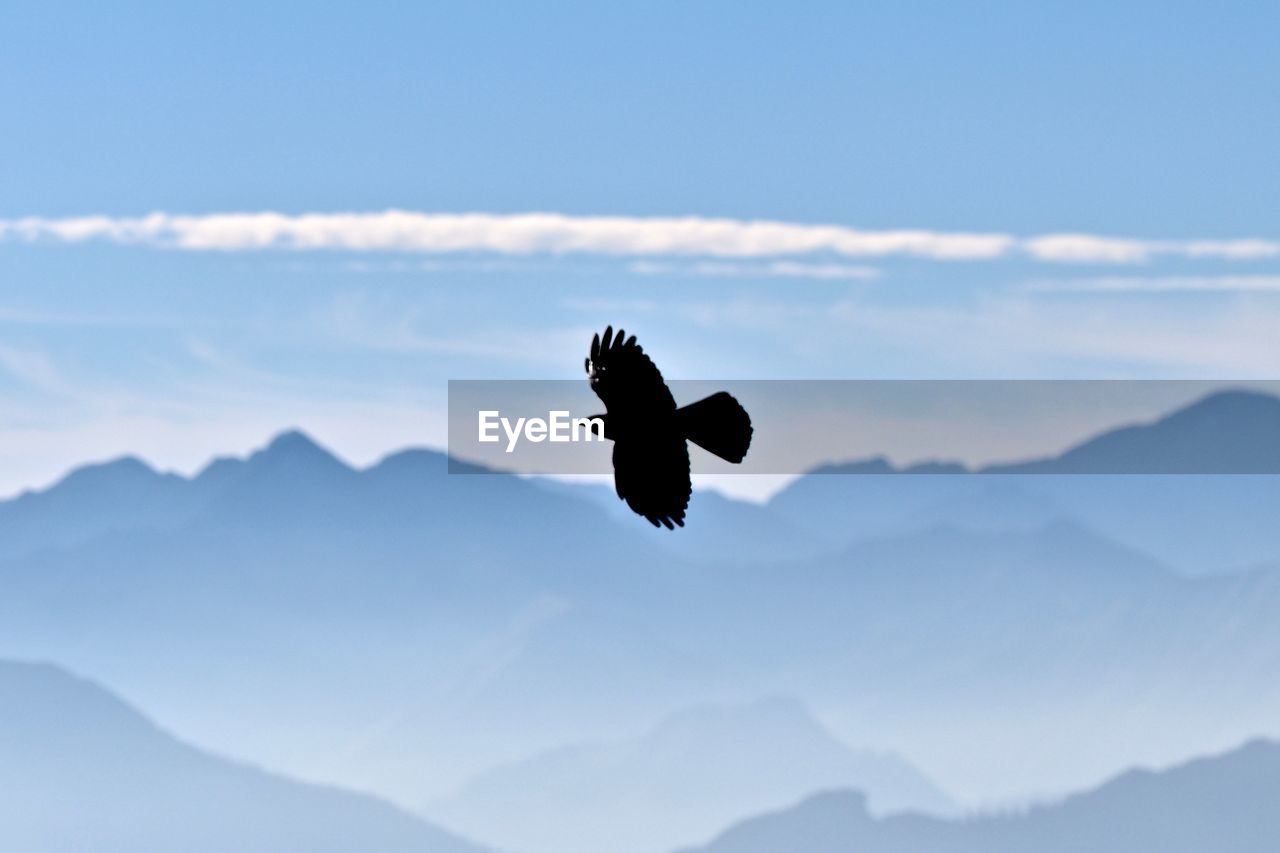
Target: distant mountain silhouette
(1230, 432)
(912, 636)
(997, 504)
(1199, 523)
(720, 529)
(287, 572)
(430, 625)
(1227, 432)
(82, 771)
(92, 501)
(1225, 804)
(693, 773)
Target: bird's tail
(718, 425)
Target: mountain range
(1224, 804)
(411, 632)
(83, 771)
(1130, 483)
(686, 777)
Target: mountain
(288, 572)
(908, 638)
(83, 771)
(693, 773)
(1216, 518)
(1229, 432)
(1224, 804)
(997, 504)
(402, 628)
(912, 594)
(1226, 432)
(92, 501)
(720, 528)
(292, 479)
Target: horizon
(751, 487)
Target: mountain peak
(291, 471)
(124, 468)
(882, 465)
(871, 465)
(294, 441)
(1230, 403)
(294, 448)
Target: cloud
(506, 234)
(1162, 284)
(774, 269)
(1090, 248)
(1087, 248)
(33, 369)
(1236, 250)
(527, 234)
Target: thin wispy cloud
(34, 369)
(508, 234)
(1090, 248)
(525, 234)
(1162, 284)
(773, 269)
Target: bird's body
(651, 435)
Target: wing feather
(629, 384)
(653, 478)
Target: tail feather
(718, 425)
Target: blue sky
(982, 128)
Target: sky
(219, 221)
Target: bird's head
(595, 370)
(602, 352)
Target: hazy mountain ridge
(1224, 804)
(1228, 432)
(92, 501)
(83, 771)
(813, 515)
(1195, 522)
(686, 777)
(296, 572)
(1225, 432)
(433, 624)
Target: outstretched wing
(626, 379)
(653, 478)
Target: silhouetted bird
(650, 456)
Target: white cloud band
(1089, 248)
(1164, 284)
(554, 233)
(771, 269)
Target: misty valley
(287, 653)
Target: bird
(650, 434)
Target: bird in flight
(650, 435)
